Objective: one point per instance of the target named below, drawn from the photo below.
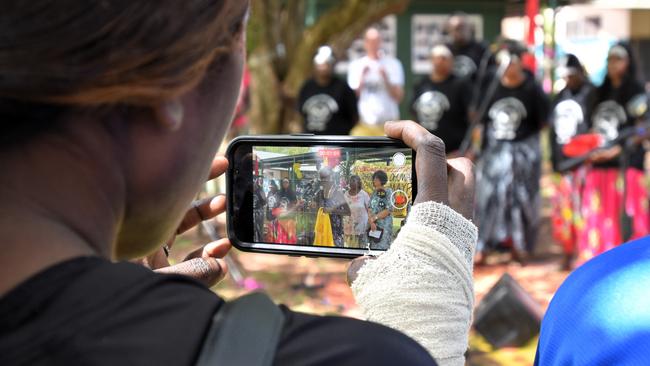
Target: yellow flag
(296, 170)
(323, 230)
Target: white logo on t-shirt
(607, 117)
(319, 109)
(506, 115)
(568, 115)
(463, 66)
(430, 106)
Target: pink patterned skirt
(565, 202)
(599, 226)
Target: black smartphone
(331, 196)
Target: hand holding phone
(450, 182)
(457, 175)
(318, 172)
(334, 184)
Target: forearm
(379, 215)
(422, 285)
(383, 214)
(396, 92)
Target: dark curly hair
(381, 175)
(357, 179)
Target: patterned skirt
(507, 194)
(602, 226)
(566, 202)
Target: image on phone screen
(329, 196)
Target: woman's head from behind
(133, 96)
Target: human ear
(170, 114)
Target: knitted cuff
(462, 233)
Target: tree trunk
(281, 51)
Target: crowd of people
(356, 218)
(486, 104)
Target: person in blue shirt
(601, 313)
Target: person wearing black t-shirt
(608, 222)
(441, 100)
(259, 205)
(327, 104)
(571, 109)
(570, 115)
(469, 54)
(509, 166)
(472, 59)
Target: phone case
(300, 140)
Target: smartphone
(325, 196)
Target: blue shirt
(601, 313)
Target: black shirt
(442, 107)
(88, 311)
(514, 114)
(329, 109)
(570, 116)
(468, 58)
(611, 115)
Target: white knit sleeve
(422, 286)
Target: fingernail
(217, 198)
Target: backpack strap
(245, 331)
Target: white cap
(325, 55)
(442, 51)
(618, 51)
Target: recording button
(399, 199)
(399, 159)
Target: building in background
(588, 29)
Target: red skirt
(565, 203)
(598, 228)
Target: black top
(258, 198)
(514, 114)
(328, 110)
(88, 311)
(287, 198)
(441, 107)
(611, 115)
(468, 58)
(570, 116)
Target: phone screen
(328, 198)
